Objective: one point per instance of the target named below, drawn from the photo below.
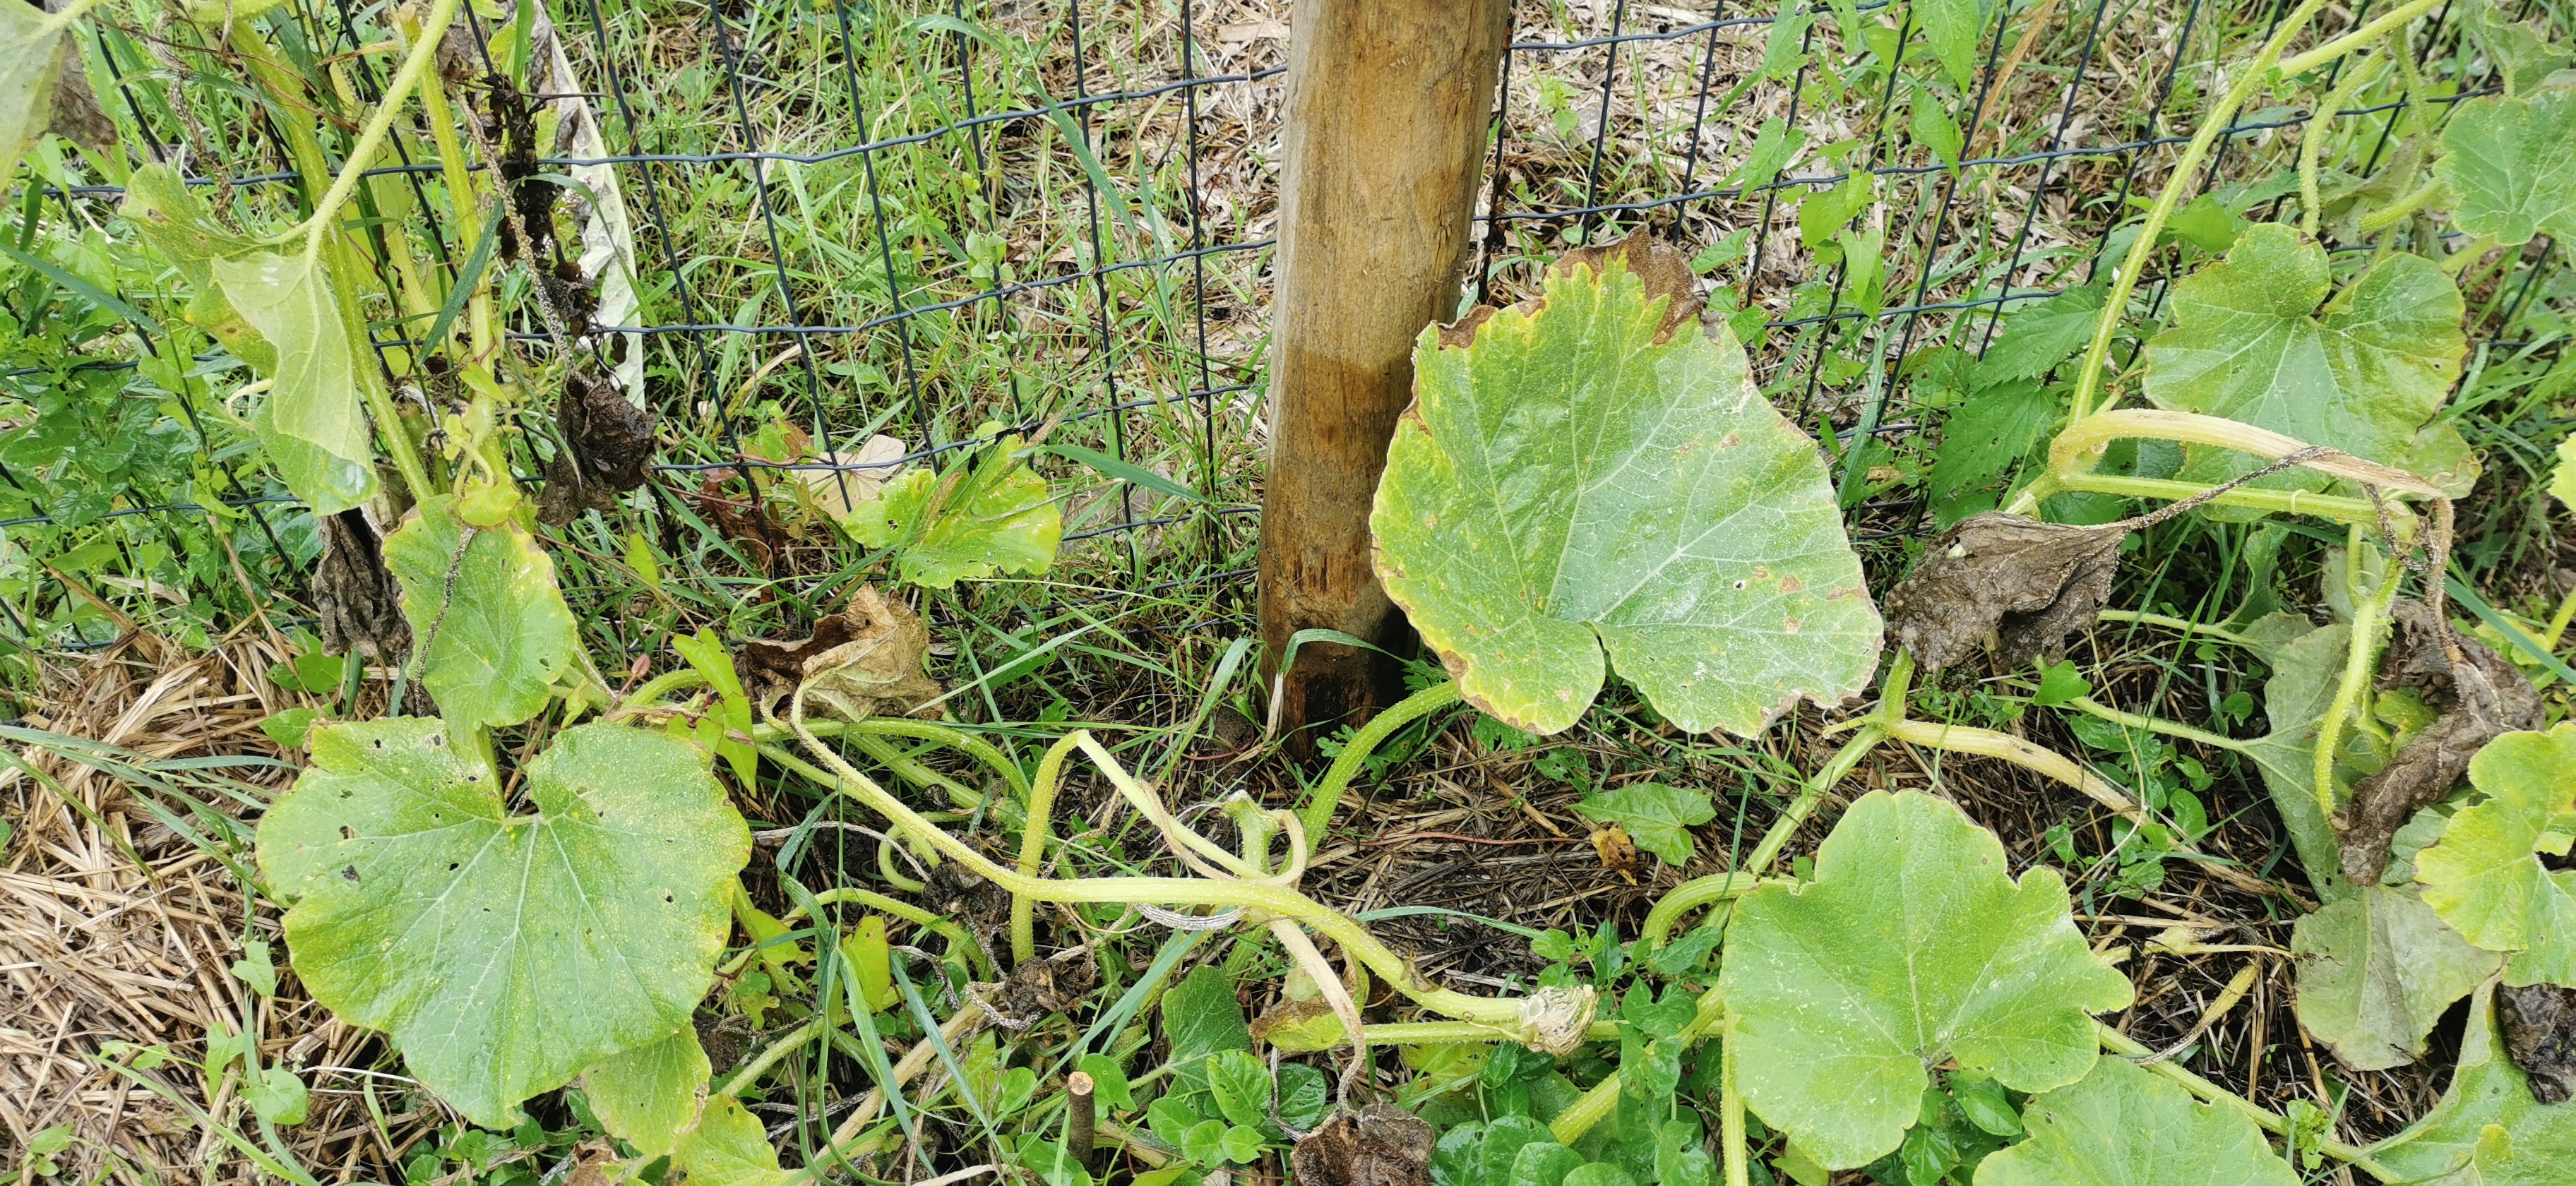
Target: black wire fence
(946, 222)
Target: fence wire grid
(949, 222)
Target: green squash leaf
(31, 62)
(312, 419)
(2485, 877)
(2508, 167)
(2380, 969)
(1911, 946)
(494, 627)
(1567, 484)
(2305, 668)
(1200, 1018)
(2366, 375)
(2520, 51)
(649, 1093)
(2122, 1126)
(1659, 818)
(965, 524)
(728, 1148)
(183, 229)
(504, 953)
(2487, 1130)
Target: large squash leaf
(2509, 168)
(2381, 968)
(966, 524)
(1913, 945)
(1567, 484)
(2305, 669)
(504, 952)
(493, 626)
(312, 420)
(2121, 1126)
(183, 229)
(2485, 877)
(2365, 374)
(2487, 1130)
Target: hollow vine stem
(1355, 754)
(1033, 838)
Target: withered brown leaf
(869, 656)
(2481, 698)
(2008, 578)
(1380, 1145)
(2540, 1036)
(608, 450)
(354, 594)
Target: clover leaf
(2366, 374)
(504, 952)
(485, 610)
(2121, 1126)
(2382, 969)
(1912, 945)
(2485, 877)
(1567, 484)
(2508, 167)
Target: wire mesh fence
(800, 225)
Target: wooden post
(1387, 111)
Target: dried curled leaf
(354, 593)
(2539, 1023)
(2010, 579)
(2485, 697)
(1379, 1145)
(868, 655)
(607, 450)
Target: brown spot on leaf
(1380, 1145)
(2481, 697)
(2022, 584)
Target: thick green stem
(2360, 661)
(2089, 705)
(2124, 279)
(424, 49)
(2394, 19)
(1730, 1121)
(1033, 838)
(2264, 1118)
(1328, 793)
(2286, 502)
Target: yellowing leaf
(969, 523)
(312, 419)
(856, 478)
(30, 64)
(2508, 165)
(2485, 877)
(2562, 481)
(503, 952)
(1566, 484)
(1913, 945)
(2121, 1126)
(1657, 817)
(2366, 374)
(2381, 968)
(493, 628)
(648, 1093)
(728, 1148)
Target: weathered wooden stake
(1386, 120)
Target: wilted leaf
(312, 420)
(2121, 1126)
(182, 228)
(2508, 167)
(2539, 1022)
(2488, 1130)
(2485, 876)
(1567, 484)
(968, 523)
(870, 653)
(1658, 817)
(2366, 374)
(604, 447)
(2380, 969)
(492, 627)
(2484, 697)
(354, 593)
(1912, 945)
(30, 66)
(1380, 1145)
(2010, 578)
(504, 953)
(856, 477)
(648, 1093)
